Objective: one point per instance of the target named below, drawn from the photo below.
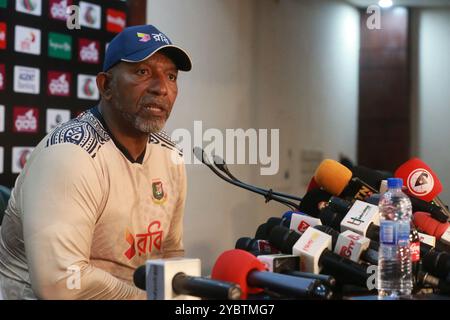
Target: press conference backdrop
(47, 71)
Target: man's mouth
(154, 110)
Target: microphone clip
(268, 195)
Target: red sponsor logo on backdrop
(59, 83)
(89, 51)
(20, 156)
(115, 20)
(2, 35)
(25, 119)
(23, 158)
(57, 9)
(2, 77)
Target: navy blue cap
(137, 43)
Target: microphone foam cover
(331, 218)
(139, 277)
(243, 243)
(288, 214)
(234, 266)
(424, 222)
(420, 180)
(372, 177)
(373, 199)
(261, 232)
(313, 201)
(332, 176)
(283, 239)
(272, 222)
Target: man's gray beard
(146, 126)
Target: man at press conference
(103, 192)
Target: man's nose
(158, 84)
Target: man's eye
(172, 77)
(143, 72)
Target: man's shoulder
(85, 131)
(163, 140)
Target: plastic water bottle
(394, 261)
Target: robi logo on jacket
(144, 243)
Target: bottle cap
(394, 183)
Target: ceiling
(405, 3)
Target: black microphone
(348, 244)
(268, 194)
(261, 232)
(255, 246)
(139, 277)
(370, 176)
(364, 217)
(443, 285)
(360, 217)
(241, 267)
(313, 201)
(315, 257)
(290, 265)
(374, 179)
(181, 283)
(418, 205)
(222, 166)
(339, 181)
(205, 288)
(434, 261)
(274, 221)
(375, 199)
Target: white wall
(432, 86)
(287, 64)
(307, 75)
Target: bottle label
(394, 233)
(403, 229)
(388, 232)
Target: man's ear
(104, 82)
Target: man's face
(144, 92)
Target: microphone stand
(222, 166)
(268, 194)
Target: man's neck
(130, 138)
